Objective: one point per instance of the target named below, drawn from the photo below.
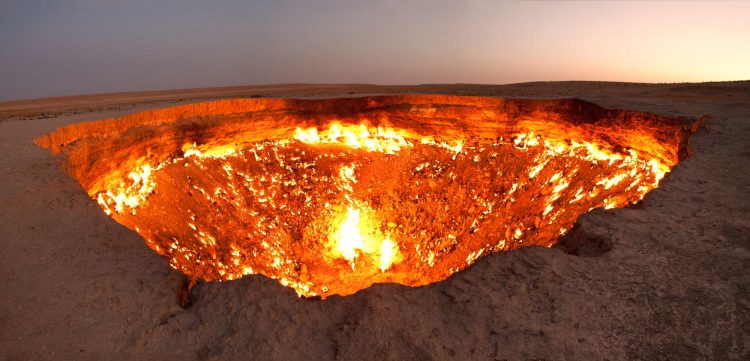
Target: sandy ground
(666, 281)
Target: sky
(69, 47)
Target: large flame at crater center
(357, 236)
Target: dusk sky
(51, 48)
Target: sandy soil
(666, 281)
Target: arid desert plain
(666, 280)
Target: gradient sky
(59, 47)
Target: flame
(357, 236)
(349, 238)
(373, 139)
(217, 151)
(128, 193)
(403, 189)
(351, 226)
(388, 252)
(355, 232)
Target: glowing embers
(336, 210)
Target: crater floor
(665, 280)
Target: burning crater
(331, 196)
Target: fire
(129, 193)
(388, 253)
(377, 197)
(349, 237)
(220, 151)
(357, 235)
(362, 136)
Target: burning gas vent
(331, 196)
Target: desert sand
(666, 280)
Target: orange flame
(373, 139)
(357, 235)
(434, 184)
